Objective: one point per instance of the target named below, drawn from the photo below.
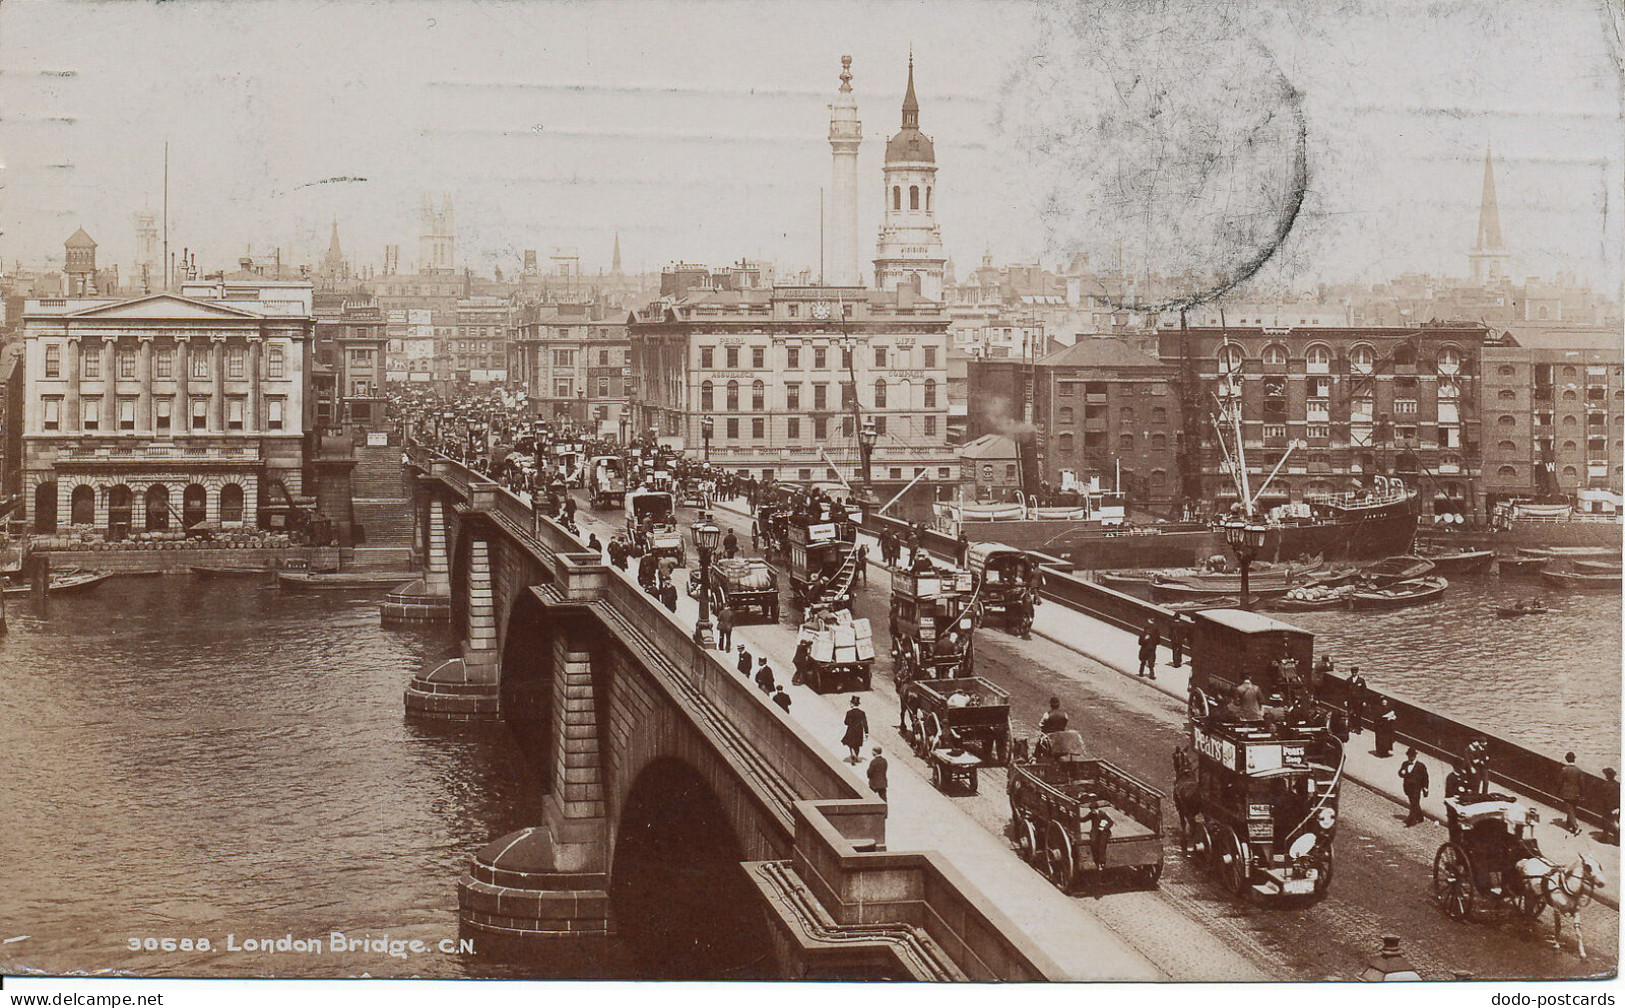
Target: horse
(1185, 790)
(1565, 890)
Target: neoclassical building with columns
(160, 412)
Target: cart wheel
(1235, 868)
(1200, 847)
(936, 777)
(1323, 881)
(1153, 873)
(933, 731)
(1453, 880)
(1058, 861)
(922, 746)
(1531, 902)
(1027, 840)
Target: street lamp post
(1246, 539)
(706, 426)
(867, 436)
(706, 537)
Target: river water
(1550, 681)
(194, 759)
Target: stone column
(70, 402)
(180, 419)
(143, 375)
(256, 352)
(217, 396)
(480, 650)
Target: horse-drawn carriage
(1072, 815)
(651, 525)
(823, 564)
(745, 585)
(834, 652)
(606, 481)
(1258, 789)
(1007, 581)
(1492, 858)
(955, 715)
(932, 622)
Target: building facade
(788, 375)
(477, 347)
(1346, 402)
(1553, 406)
(164, 411)
(909, 251)
(573, 366)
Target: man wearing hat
(877, 772)
(744, 661)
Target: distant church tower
(845, 133)
(1489, 257)
(909, 250)
(79, 263)
(615, 257)
(334, 269)
(149, 271)
(437, 245)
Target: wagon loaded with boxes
(835, 652)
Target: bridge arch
(529, 670)
(681, 901)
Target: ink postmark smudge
(1168, 143)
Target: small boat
(1314, 598)
(1182, 591)
(1596, 567)
(1568, 579)
(62, 582)
(1397, 568)
(1508, 612)
(1571, 552)
(1526, 566)
(1413, 591)
(340, 579)
(1449, 561)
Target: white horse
(1565, 890)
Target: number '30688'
(167, 944)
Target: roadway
(1187, 926)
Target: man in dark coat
(764, 676)
(725, 628)
(1148, 651)
(744, 663)
(857, 729)
(877, 772)
(1384, 723)
(1414, 774)
(1458, 784)
(730, 544)
(1357, 700)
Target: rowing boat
(1414, 591)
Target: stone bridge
(691, 829)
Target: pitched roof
(1563, 337)
(989, 446)
(1096, 351)
(80, 240)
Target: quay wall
(178, 561)
(1517, 766)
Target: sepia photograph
(969, 491)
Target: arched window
(1545, 312)
(897, 197)
(758, 396)
(1125, 414)
(1125, 442)
(1506, 369)
(732, 401)
(1568, 371)
(1404, 355)
(1570, 420)
(157, 507)
(120, 503)
(1569, 446)
(1509, 472)
(913, 197)
(880, 393)
(231, 503)
(1318, 358)
(1507, 445)
(927, 199)
(905, 394)
(1362, 358)
(1507, 421)
(1506, 393)
(1275, 355)
(1230, 358)
(1159, 441)
(82, 506)
(1570, 472)
(1065, 444)
(45, 507)
(194, 505)
(1065, 415)
(931, 393)
(1159, 479)
(707, 396)
(1449, 360)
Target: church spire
(911, 104)
(615, 257)
(334, 253)
(1489, 213)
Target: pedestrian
(857, 729)
(877, 772)
(1458, 787)
(725, 627)
(755, 535)
(593, 543)
(1249, 700)
(962, 550)
(1176, 640)
(1478, 764)
(1356, 701)
(668, 594)
(764, 676)
(744, 662)
(1054, 719)
(1385, 721)
(1414, 775)
(730, 544)
(781, 698)
(863, 564)
(1610, 829)
(1148, 652)
(1570, 782)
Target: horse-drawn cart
(955, 714)
(1076, 815)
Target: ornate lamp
(706, 537)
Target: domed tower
(845, 134)
(909, 250)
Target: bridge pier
(547, 886)
(465, 688)
(428, 599)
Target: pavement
(919, 817)
(1118, 650)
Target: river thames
(220, 760)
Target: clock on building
(820, 309)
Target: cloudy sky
(1160, 135)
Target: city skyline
(598, 139)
